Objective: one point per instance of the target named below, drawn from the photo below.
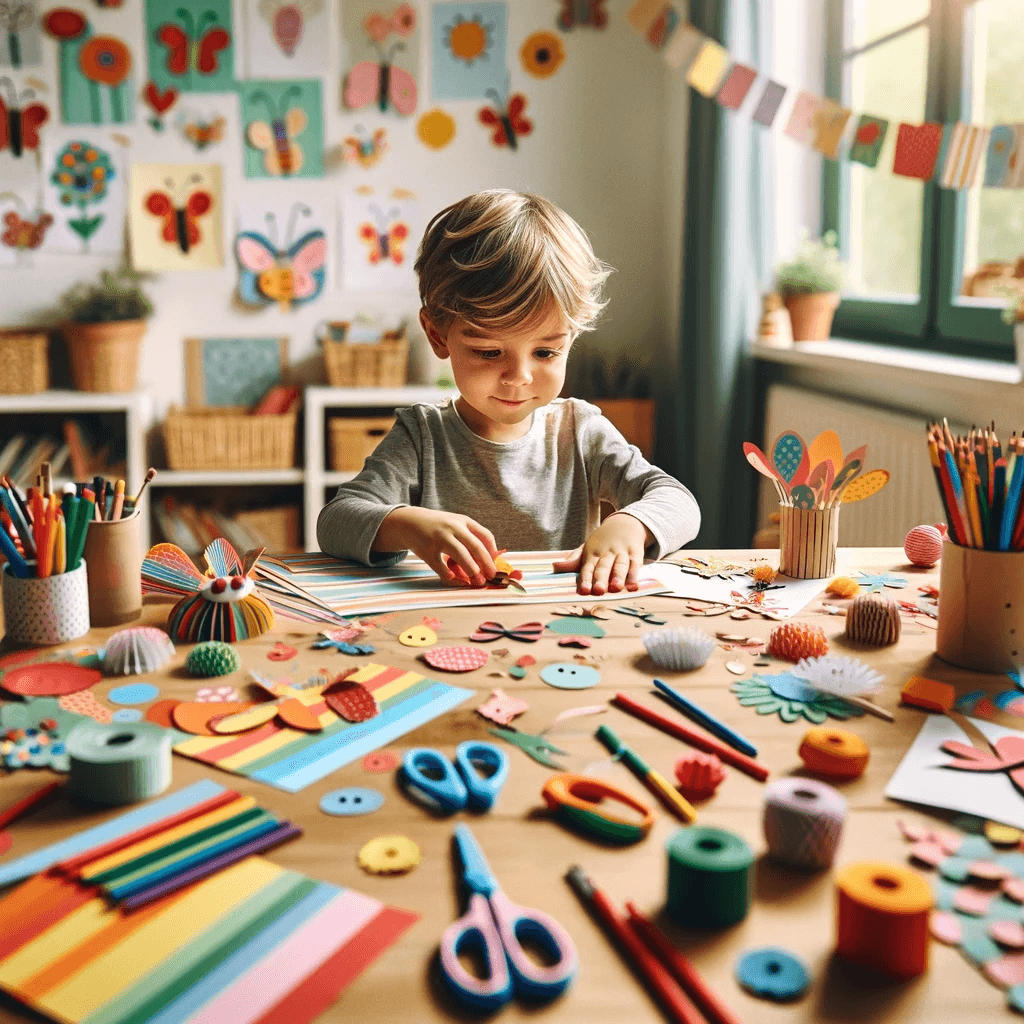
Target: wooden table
(530, 853)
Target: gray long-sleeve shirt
(541, 492)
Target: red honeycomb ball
(699, 775)
(923, 545)
(794, 641)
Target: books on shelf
(192, 529)
(71, 456)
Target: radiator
(896, 442)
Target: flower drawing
(82, 174)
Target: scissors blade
(476, 872)
(534, 746)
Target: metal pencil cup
(808, 538)
(981, 608)
(50, 610)
(113, 549)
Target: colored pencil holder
(50, 610)
(981, 608)
(113, 549)
(808, 538)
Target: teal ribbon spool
(118, 764)
(709, 877)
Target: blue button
(351, 801)
(568, 676)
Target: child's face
(503, 377)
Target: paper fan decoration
(681, 650)
(135, 650)
(222, 605)
(840, 677)
(791, 697)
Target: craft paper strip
(121, 826)
(868, 140)
(769, 103)
(736, 86)
(469, 50)
(801, 119)
(917, 149)
(1002, 146)
(829, 124)
(190, 45)
(664, 26)
(285, 39)
(708, 69)
(283, 122)
(962, 159)
(683, 46)
(643, 13)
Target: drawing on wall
(84, 192)
(284, 129)
(96, 83)
(384, 50)
(286, 38)
(159, 102)
(201, 130)
(436, 128)
(22, 229)
(285, 269)
(233, 371)
(506, 119)
(190, 44)
(542, 54)
(582, 13)
(175, 216)
(21, 117)
(19, 34)
(364, 149)
(468, 49)
(376, 230)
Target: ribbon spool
(837, 753)
(803, 821)
(709, 877)
(118, 764)
(882, 917)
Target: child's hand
(610, 558)
(438, 536)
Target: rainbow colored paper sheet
(316, 587)
(291, 759)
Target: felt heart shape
(160, 101)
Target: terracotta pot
(811, 314)
(105, 357)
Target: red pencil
(745, 764)
(18, 809)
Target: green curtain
(726, 263)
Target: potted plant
(809, 286)
(103, 323)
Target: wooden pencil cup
(981, 608)
(808, 538)
(113, 549)
(48, 610)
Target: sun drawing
(469, 38)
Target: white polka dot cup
(51, 610)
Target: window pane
(994, 62)
(872, 19)
(884, 243)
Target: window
(927, 266)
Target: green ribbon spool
(709, 877)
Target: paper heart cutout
(351, 701)
(160, 101)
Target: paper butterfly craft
(582, 12)
(180, 218)
(19, 125)
(286, 19)
(381, 81)
(193, 45)
(281, 154)
(203, 133)
(364, 149)
(292, 275)
(24, 234)
(386, 239)
(507, 121)
(528, 632)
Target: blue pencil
(18, 564)
(1012, 502)
(701, 717)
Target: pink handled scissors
(497, 925)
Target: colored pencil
(701, 717)
(15, 811)
(10, 551)
(115, 512)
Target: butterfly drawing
(386, 238)
(193, 45)
(180, 219)
(282, 155)
(202, 133)
(289, 275)
(19, 125)
(382, 82)
(508, 121)
(582, 12)
(364, 149)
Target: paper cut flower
(542, 54)
(64, 24)
(82, 173)
(791, 697)
(105, 60)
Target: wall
(607, 145)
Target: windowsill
(870, 360)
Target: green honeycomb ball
(212, 658)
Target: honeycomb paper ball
(699, 775)
(874, 620)
(843, 586)
(794, 641)
(923, 545)
(212, 658)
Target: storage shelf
(367, 398)
(225, 477)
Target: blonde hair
(498, 259)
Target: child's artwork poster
(468, 50)
(382, 45)
(283, 124)
(23, 227)
(20, 32)
(175, 218)
(96, 81)
(286, 38)
(84, 190)
(190, 45)
(379, 234)
(282, 254)
(22, 115)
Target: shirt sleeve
(390, 479)
(620, 475)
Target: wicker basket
(353, 439)
(23, 355)
(381, 365)
(228, 438)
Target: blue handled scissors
(429, 772)
(498, 925)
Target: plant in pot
(103, 323)
(809, 285)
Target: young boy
(507, 282)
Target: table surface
(530, 853)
